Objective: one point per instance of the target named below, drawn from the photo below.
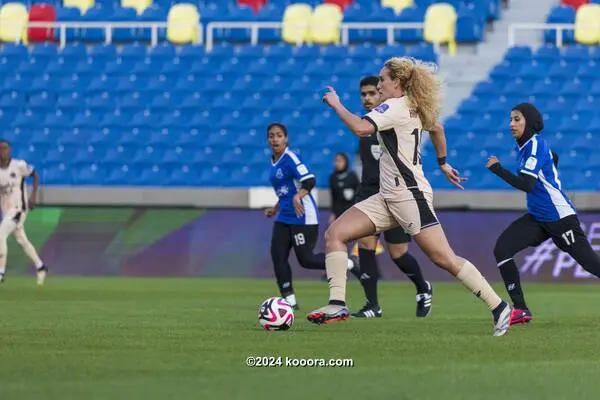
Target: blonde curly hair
(421, 85)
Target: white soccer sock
(28, 248)
(336, 274)
(3, 254)
(291, 299)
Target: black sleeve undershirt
(309, 184)
(522, 182)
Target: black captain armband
(441, 161)
(308, 184)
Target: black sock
(355, 270)
(496, 311)
(337, 303)
(283, 275)
(512, 282)
(409, 265)
(368, 275)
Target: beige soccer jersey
(13, 193)
(399, 133)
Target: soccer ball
(276, 314)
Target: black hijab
(345, 157)
(534, 122)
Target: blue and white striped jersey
(547, 202)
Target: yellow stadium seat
(440, 25)
(587, 24)
(397, 5)
(183, 24)
(296, 21)
(83, 5)
(13, 22)
(325, 24)
(138, 5)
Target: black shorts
(529, 232)
(392, 236)
(297, 236)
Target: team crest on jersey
(279, 173)
(13, 175)
(282, 191)
(348, 194)
(382, 108)
(376, 151)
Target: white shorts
(412, 215)
(13, 220)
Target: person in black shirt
(343, 184)
(396, 239)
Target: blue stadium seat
(560, 15)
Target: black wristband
(441, 161)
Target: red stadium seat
(342, 3)
(574, 3)
(41, 13)
(256, 5)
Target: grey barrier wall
(261, 197)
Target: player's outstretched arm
(34, 191)
(357, 125)
(522, 182)
(438, 140)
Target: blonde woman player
(15, 205)
(410, 94)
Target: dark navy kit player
(297, 222)
(397, 240)
(550, 212)
(343, 183)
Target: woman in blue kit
(297, 221)
(550, 212)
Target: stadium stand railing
(107, 27)
(559, 32)
(255, 27)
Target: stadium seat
(469, 27)
(82, 5)
(397, 5)
(412, 15)
(256, 5)
(325, 25)
(139, 5)
(587, 24)
(560, 15)
(342, 4)
(440, 25)
(576, 4)
(296, 23)
(13, 22)
(41, 13)
(183, 24)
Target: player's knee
(333, 235)
(397, 250)
(443, 259)
(368, 243)
(502, 250)
(303, 256)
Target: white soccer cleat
(502, 325)
(41, 275)
(328, 314)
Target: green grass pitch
(118, 338)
